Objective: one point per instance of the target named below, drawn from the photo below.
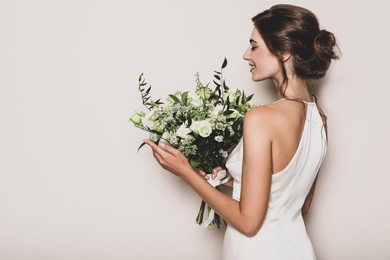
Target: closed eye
(252, 42)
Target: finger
(229, 183)
(215, 172)
(161, 147)
(155, 148)
(158, 153)
(168, 148)
(149, 142)
(203, 174)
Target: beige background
(72, 185)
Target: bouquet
(204, 125)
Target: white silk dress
(283, 235)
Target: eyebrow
(252, 41)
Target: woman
(275, 165)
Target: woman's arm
(247, 215)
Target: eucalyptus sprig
(145, 94)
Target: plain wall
(72, 185)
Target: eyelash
(253, 48)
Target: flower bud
(136, 119)
(140, 113)
(204, 93)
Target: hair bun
(324, 45)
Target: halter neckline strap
(298, 100)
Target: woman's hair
(295, 30)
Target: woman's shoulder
(263, 117)
(259, 113)
(266, 112)
(275, 117)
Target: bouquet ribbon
(219, 180)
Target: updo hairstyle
(295, 30)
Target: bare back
(288, 122)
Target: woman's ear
(286, 56)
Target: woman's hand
(170, 158)
(214, 173)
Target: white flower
(222, 118)
(165, 136)
(203, 128)
(223, 153)
(219, 126)
(183, 131)
(196, 101)
(218, 138)
(153, 137)
(233, 95)
(217, 110)
(173, 140)
(151, 116)
(175, 109)
(157, 127)
(233, 115)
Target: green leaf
(194, 164)
(140, 77)
(249, 98)
(224, 63)
(184, 98)
(174, 98)
(141, 146)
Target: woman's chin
(257, 78)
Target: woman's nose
(246, 55)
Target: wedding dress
(282, 236)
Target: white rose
(183, 131)
(195, 100)
(203, 128)
(194, 126)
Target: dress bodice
(283, 233)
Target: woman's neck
(295, 88)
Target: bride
(275, 165)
